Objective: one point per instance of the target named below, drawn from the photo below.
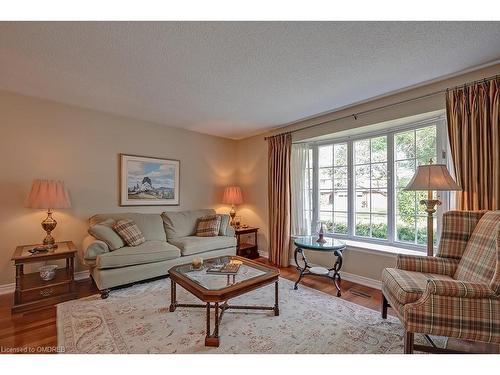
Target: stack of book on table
(230, 268)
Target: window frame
(442, 158)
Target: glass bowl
(48, 272)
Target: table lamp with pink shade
(49, 195)
(232, 195)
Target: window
(333, 194)
(370, 187)
(412, 148)
(356, 185)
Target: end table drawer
(45, 292)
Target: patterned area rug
(137, 320)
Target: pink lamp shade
(232, 195)
(48, 194)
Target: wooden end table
(216, 290)
(32, 292)
(246, 249)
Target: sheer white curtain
(301, 189)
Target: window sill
(386, 250)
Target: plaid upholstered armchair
(457, 292)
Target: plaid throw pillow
(208, 226)
(129, 232)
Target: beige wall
(43, 139)
(252, 158)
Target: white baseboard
(9, 288)
(366, 281)
(82, 275)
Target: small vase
(321, 238)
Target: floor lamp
(428, 178)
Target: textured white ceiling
(233, 79)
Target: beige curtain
(474, 132)
(279, 151)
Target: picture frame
(149, 181)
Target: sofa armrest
(92, 247)
(436, 265)
(457, 288)
(230, 231)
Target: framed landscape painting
(147, 181)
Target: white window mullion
(351, 204)
(391, 190)
(315, 191)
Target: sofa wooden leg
(385, 305)
(408, 341)
(104, 293)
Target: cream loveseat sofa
(170, 241)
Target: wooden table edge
(16, 256)
(272, 275)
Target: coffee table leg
(173, 296)
(276, 300)
(212, 339)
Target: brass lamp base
(48, 225)
(232, 213)
(430, 208)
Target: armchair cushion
(442, 266)
(479, 261)
(407, 286)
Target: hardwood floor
(35, 329)
(32, 330)
(38, 328)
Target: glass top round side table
(331, 245)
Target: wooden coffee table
(216, 290)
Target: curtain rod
(355, 115)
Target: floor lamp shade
(432, 177)
(49, 195)
(428, 178)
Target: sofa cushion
(208, 226)
(194, 245)
(148, 252)
(224, 223)
(479, 261)
(104, 231)
(183, 223)
(407, 286)
(151, 225)
(129, 232)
